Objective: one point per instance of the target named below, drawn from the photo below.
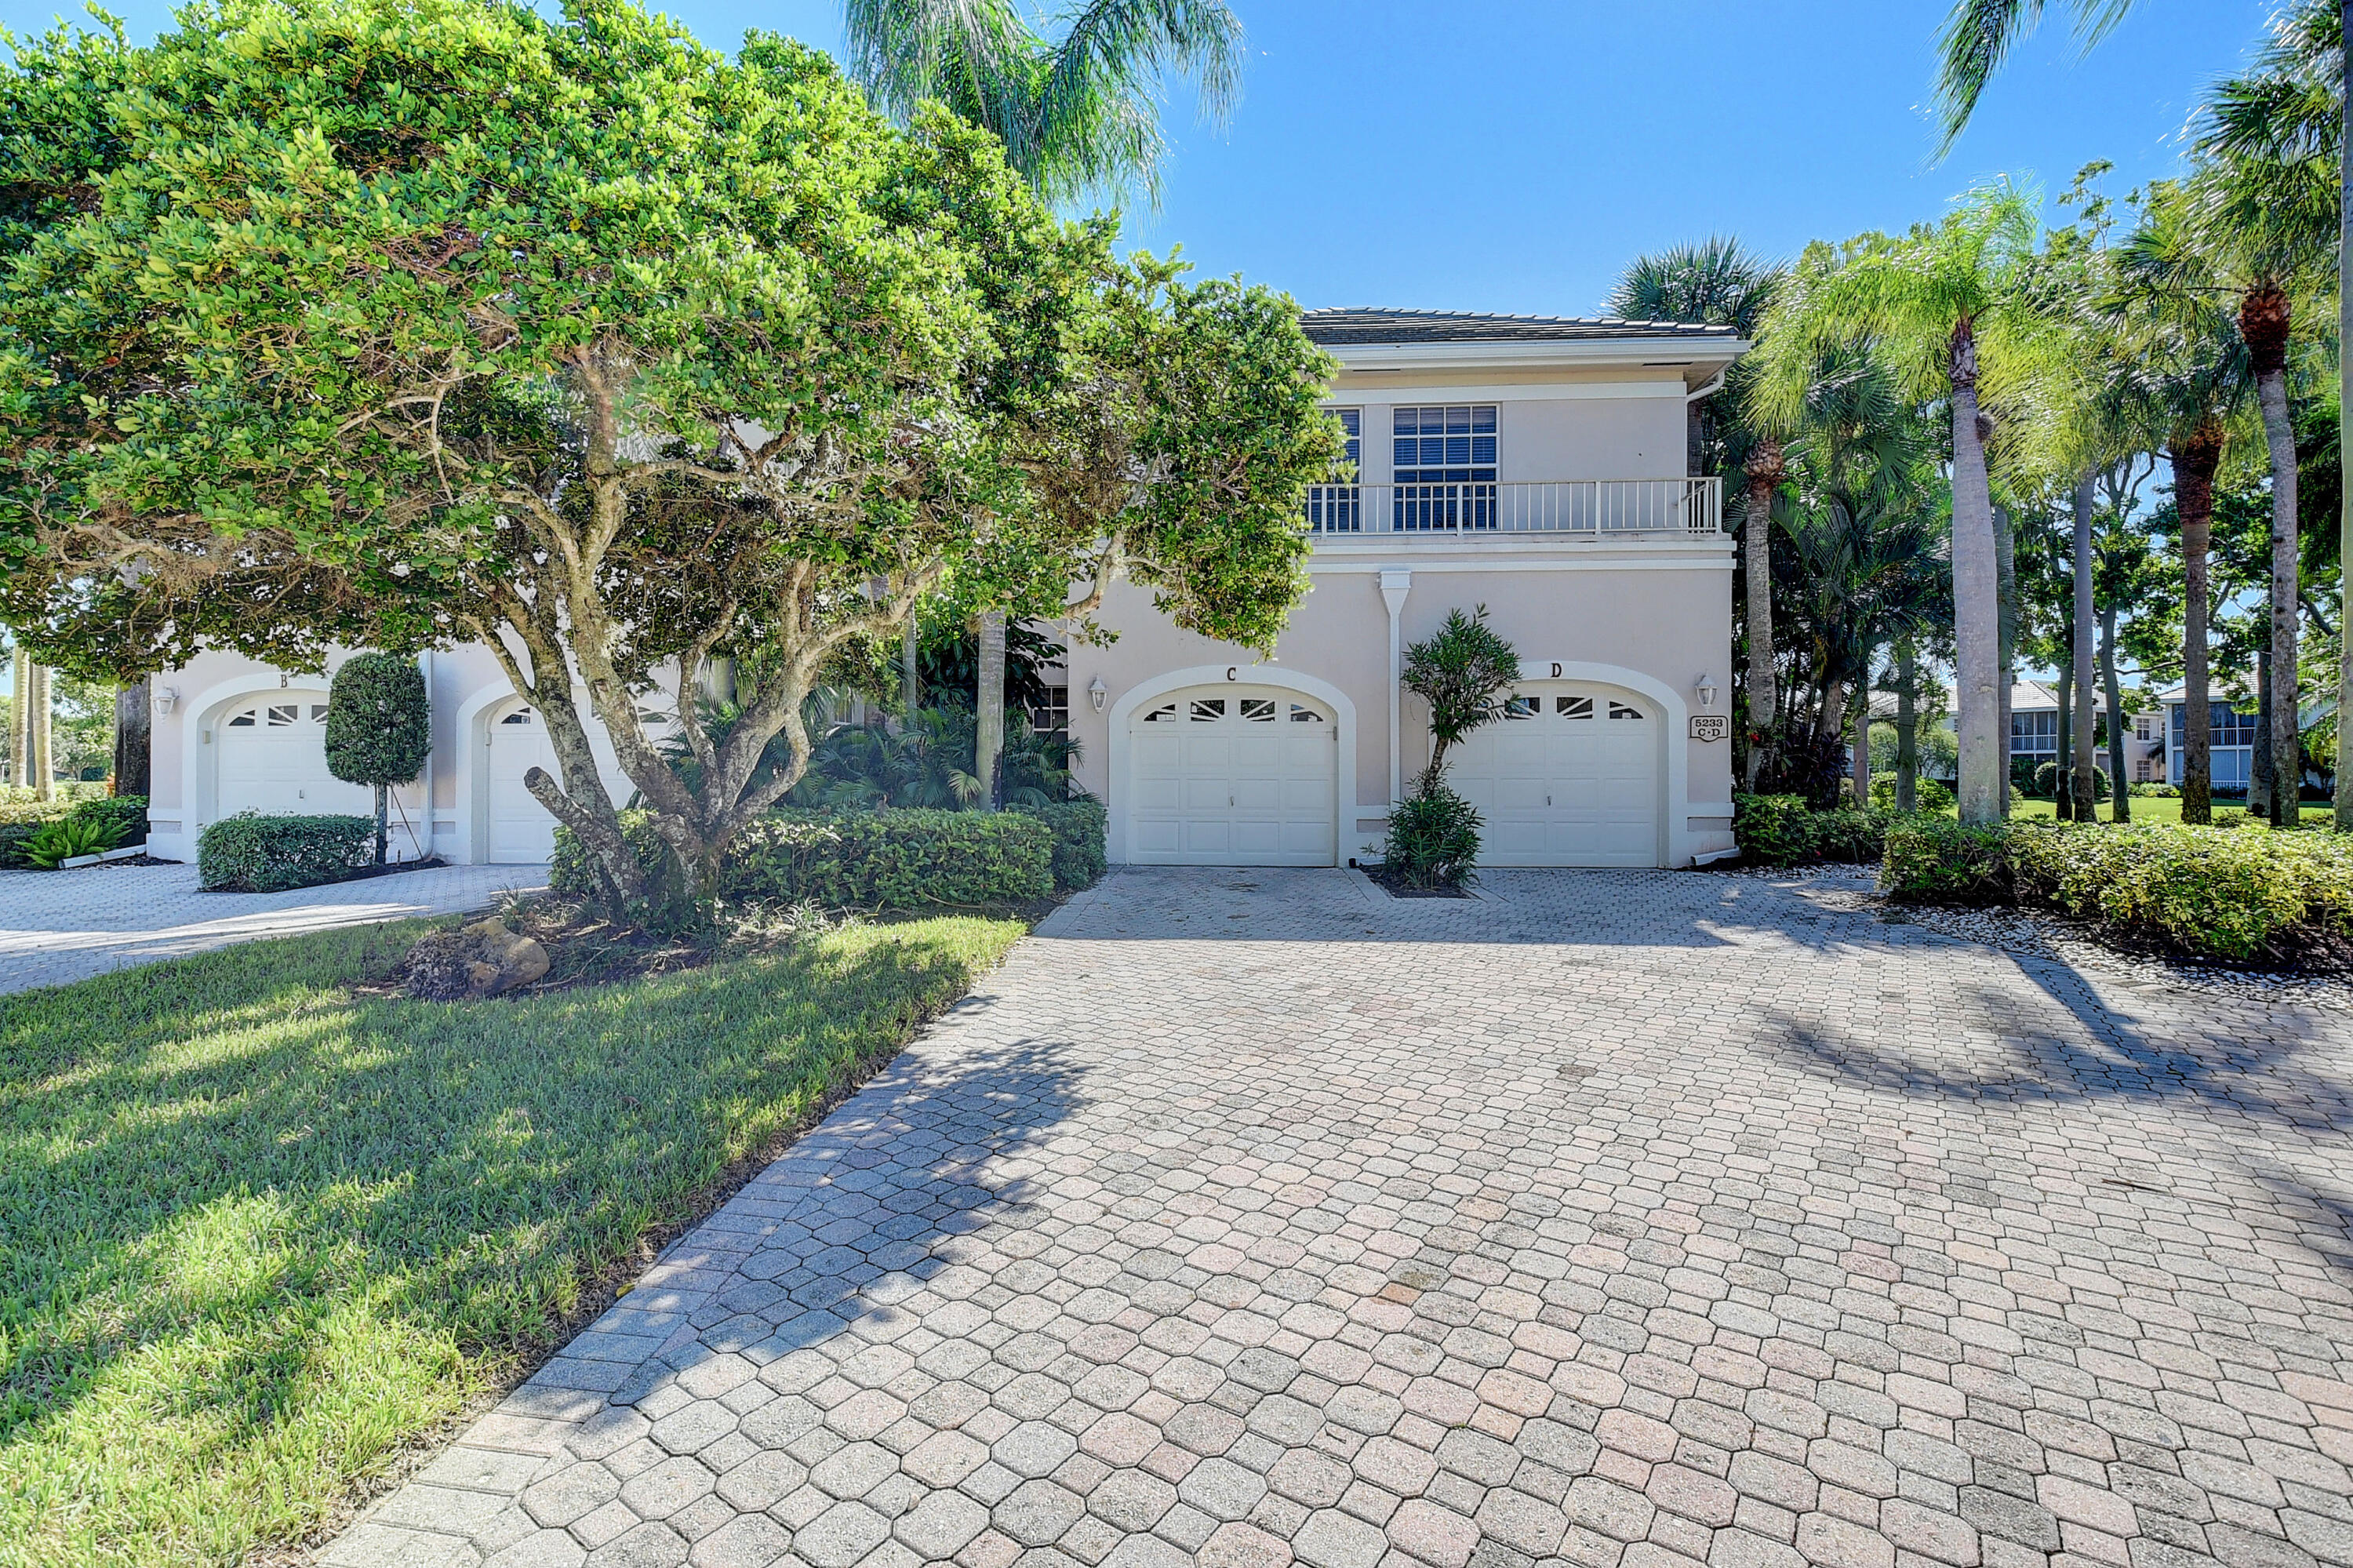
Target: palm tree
(1077, 113)
(1945, 306)
(1719, 282)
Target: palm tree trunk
(20, 719)
(2005, 555)
(1907, 727)
(1976, 601)
(2259, 778)
(134, 730)
(2263, 321)
(2062, 775)
(2119, 796)
(2080, 785)
(43, 764)
(1764, 469)
(2344, 797)
(989, 742)
(2196, 456)
(1863, 732)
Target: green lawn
(2156, 808)
(257, 1232)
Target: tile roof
(1360, 325)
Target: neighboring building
(2035, 731)
(1535, 466)
(2232, 758)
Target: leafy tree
(1945, 305)
(612, 355)
(1463, 673)
(379, 727)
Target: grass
(2158, 808)
(257, 1233)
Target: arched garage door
(519, 831)
(1233, 775)
(1569, 776)
(272, 756)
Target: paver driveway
(1615, 1218)
(60, 926)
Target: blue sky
(1484, 154)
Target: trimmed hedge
(2219, 892)
(899, 859)
(20, 821)
(1081, 828)
(1782, 829)
(253, 854)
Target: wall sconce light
(1705, 686)
(167, 698)
(1097, 694)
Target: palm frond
(1980, 35)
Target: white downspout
(1396, 583)
(425, 815)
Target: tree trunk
(988, 735)
(2344, 793)
(2260, 776)
(1907, 727)
(382, 799)
(2119, 796)
(2196, 455)
(1862, 733)
(2263, 321)
(1765, 466)
(2084, 792)
(2062, 777)
(134, 730)
(42, 761)
(1976, 601)
(20, 720)
(2005, 555)
(910, 667)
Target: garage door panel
(1235, 778)
(1566, 785)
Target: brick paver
(1645, 1218)
(60, 926)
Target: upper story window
(1338, 507)
(2035, 731)
(1449, 444)
(2228, 726)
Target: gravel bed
(1827, 871)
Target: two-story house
(1534, 466)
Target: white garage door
(1233, 776)
(273, 759)
(1569, 776)
(520, 831)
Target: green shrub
(1933, 861)
(126, 813)
(1079, 827)
(71, 838)
(1433, 839)
(1782, 829)
(2046, 782)
(2157, 791)
(910, 859)
(2218, 892)
(253, 854)
(1927, 794)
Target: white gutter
(1396, 583)
(1708, 385)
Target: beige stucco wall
(1619, 429)
(1657, 608)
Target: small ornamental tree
(379, 727)
(1463, 674)
(406, 322)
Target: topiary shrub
(1433, 840)
(2046, 782)
(1080, 829)
(253, 854)
(1927, 794)
(379, 727)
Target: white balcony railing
(1593, 507)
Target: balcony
(1574, 508)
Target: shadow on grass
(254, 1231)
